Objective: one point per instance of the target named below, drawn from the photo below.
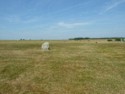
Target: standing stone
(45, 46)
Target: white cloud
(12, 19)
(18, 19)
(112, 5)
(72, 25)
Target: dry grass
(70, 67)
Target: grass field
(70, 67)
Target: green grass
(70, 67)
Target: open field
(70, 67)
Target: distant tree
(109, 40)
(22, 39)
(86, 38)
(118, 39)
(79, 38)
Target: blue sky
(61, 19)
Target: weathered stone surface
(45, 46)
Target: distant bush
(79, 38)
(109, 40)
(118, 39)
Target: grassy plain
(70, 67)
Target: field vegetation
(70, 67)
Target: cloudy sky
(61, 19)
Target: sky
(61, 19)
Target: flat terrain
(70, 67)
